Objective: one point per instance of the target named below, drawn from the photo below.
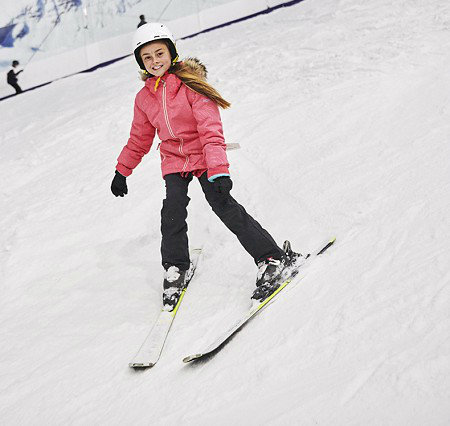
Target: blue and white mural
(36, 29)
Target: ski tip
(191, 358)
(140, 365)
(326, 247)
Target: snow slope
(342, 111)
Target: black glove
(223, 184)
(119, 185)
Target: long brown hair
(193, 74)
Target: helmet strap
(157, 83)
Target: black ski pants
(174, 246)
(17, 88)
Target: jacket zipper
(166, 117)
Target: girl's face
(156, 58)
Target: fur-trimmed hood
(195, 66)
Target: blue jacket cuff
(212, 178)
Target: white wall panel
(230, 12)
(54, 67)
(273, 3)
(185, 26)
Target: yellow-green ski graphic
(215, 346)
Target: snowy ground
(342, 111)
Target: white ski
(254, 310)
(150, 351)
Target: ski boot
(273, 272)
(175, 281)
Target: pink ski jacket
(188, 125)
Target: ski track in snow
(341, 109)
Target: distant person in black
(142, 20)
(12, 77)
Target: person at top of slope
(142, 21)
(12, 77)
(178, 103)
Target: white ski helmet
(150, 32)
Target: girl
(182, 107)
